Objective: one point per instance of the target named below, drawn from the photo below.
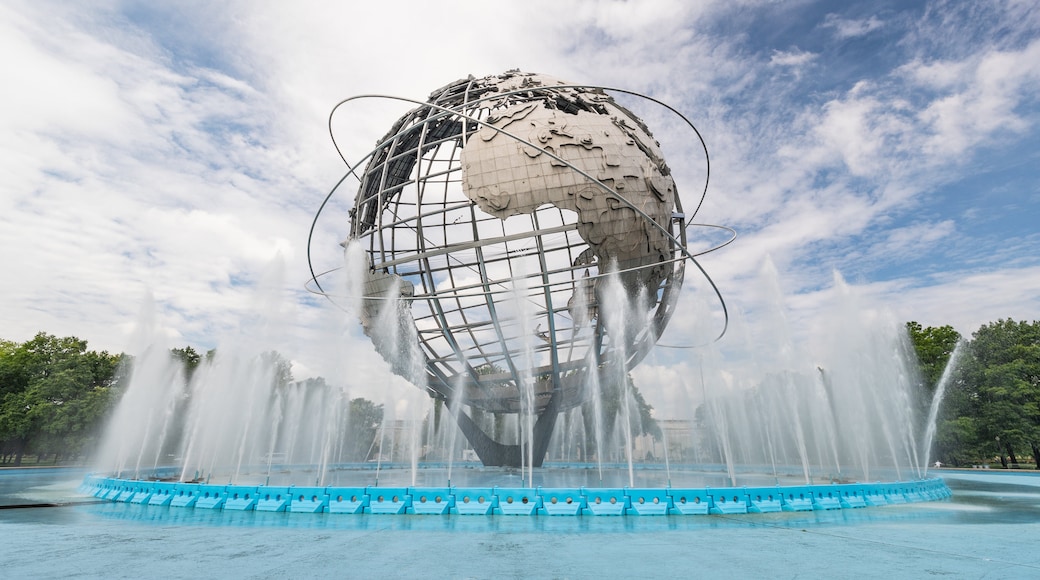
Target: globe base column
(495, 454)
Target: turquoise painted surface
(988, 528)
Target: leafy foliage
(53, 393)
(933, 346)
(994, 403)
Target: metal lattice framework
(496, 210)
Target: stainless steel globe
(496, 211)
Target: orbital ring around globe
(456, 112)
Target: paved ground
(990, 529)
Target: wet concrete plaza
(989, 529)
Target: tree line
(55, 393)
(56, 396)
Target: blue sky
(180, 149)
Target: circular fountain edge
(530, 501)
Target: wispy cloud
(791, 58)
(851, 28)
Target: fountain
(517, 247)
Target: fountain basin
(500, 500)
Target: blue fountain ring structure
(527, 501)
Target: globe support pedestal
(495, 454)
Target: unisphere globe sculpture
(495, 218)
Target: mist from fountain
(521, 313)
(626, 323)
(237, 418)
(834, 408)
(838, 406)
(135, 439)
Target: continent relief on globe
(507, 176)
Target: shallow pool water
(988, 529)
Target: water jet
(517, 247)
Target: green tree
(54, 394)
(13, 370)
(14, 380)
(998, 393)
(933, 346)
(364, 419)
(189, 358)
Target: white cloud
(985, 95)
(851, 28)
(913, 240)
(791, 58)
(147, 154)
(964, 300)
